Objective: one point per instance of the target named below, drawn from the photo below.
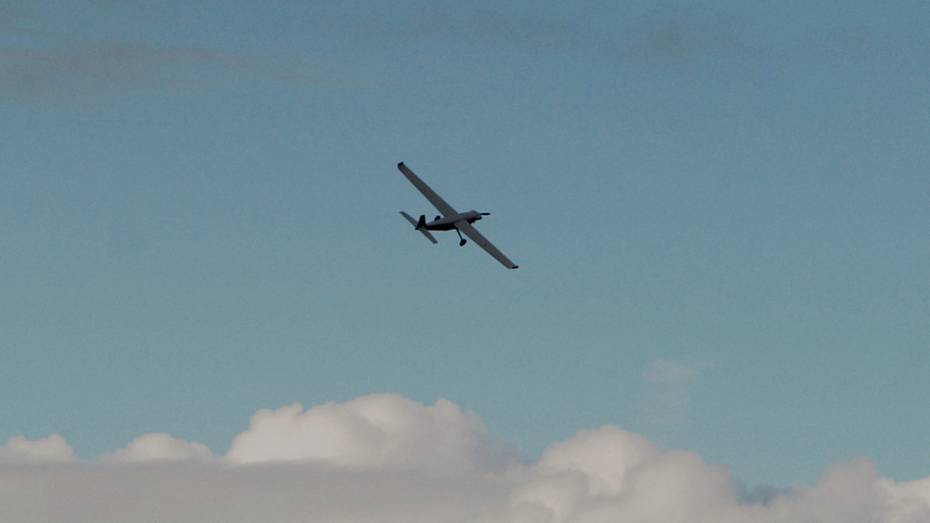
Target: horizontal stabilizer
(416, 226)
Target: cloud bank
(388, 458)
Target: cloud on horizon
(387, 458)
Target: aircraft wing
(467, 229)
(431, 195)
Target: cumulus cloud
(160, 447)
(370, 431)
(388, 458)
(609, 474)
(52, 448)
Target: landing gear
(462, 241)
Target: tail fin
(413, 222)
(422, 223)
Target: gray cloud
(92, 68)
(15, 17)
(652, 39)
(89, 67)
(657, 34)
(184, 492)
(683, 37)
(661, 36)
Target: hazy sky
(720, 212)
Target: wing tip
(400, 165)
(515, 267)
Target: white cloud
(387, 458)
(605, 456)
(370, 431)
(612, 474)
(160, 447)
(52, 448)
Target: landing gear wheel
(462, 242)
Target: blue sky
(719, 211)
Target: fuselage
(448, 223)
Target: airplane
(451, 219)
